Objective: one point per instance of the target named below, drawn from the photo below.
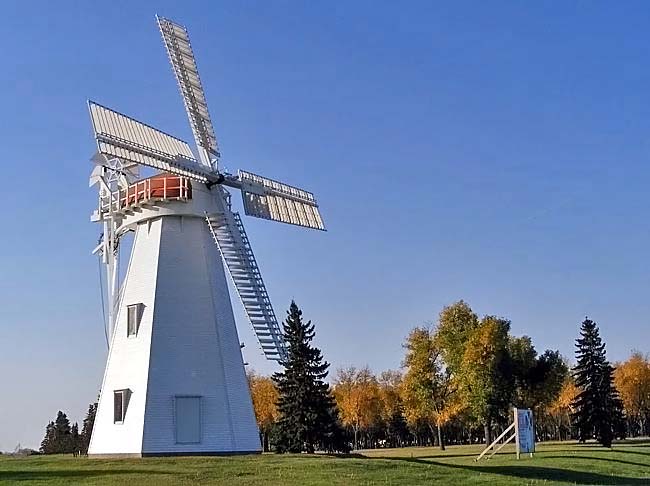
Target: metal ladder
(230, 237)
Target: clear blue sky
(496, 153)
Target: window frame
(125, 395)
(137, 309)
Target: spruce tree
(61, 433)
(308, 414)
(598, 409)
(87, 428)
(75, 440)
(48, 443)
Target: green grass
(554, 463)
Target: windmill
(175, 380)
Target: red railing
(161, 187)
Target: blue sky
(496, 153)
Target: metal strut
(230, 237)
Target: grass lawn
(554, 463)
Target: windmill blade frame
(269, 199)
(177, 43)
(123, 137)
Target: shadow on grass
(535, 472)
(71, 474)
(591, 449)
(596, 458)
(428, 456)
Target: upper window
(133, 317)
(120, 404)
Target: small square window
(120, 404)
(133, 317)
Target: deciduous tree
(632, 380)
(265, 397)
(427, 387)
(561, 409)
(486, 374)
(455, 325)
(358, 399)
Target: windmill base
(172, 454)
(175, 382)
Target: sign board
(524, 431)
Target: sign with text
(524, 430)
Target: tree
(75, 440)
(486, 373)
(632, 380)
(265, 396)
(455, 325)
(48, 444)
(308, 417)
(358, 399)
(537, 379)
(550, 374)
(392, 409)
(523, 361)
(427, 385)
(598, 409)
(87, 428)
(389, 383)
(62, 433)
(561, 409)
(58, 436)
(396, 428)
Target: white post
(502, 445)
(495, 441)
(516, 432)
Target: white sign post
(524, 435)
(524, 431)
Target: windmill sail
(230, 237)
(179, 49)
(123, 137)
(269, 199)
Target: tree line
(61, 437)
(460, 379)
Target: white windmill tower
(175, 380)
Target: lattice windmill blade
(122, 137)
(269, 199)
(181, 56)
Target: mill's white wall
(195, 349)
(128, 358)
(187, 344)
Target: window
(133, 317)
(120, 404)
(188, 419)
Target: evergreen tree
(598, 409)
(48, 443)
(75, 440)
(397, 429)
(308, 414)
(62, 433)
(87, 428)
